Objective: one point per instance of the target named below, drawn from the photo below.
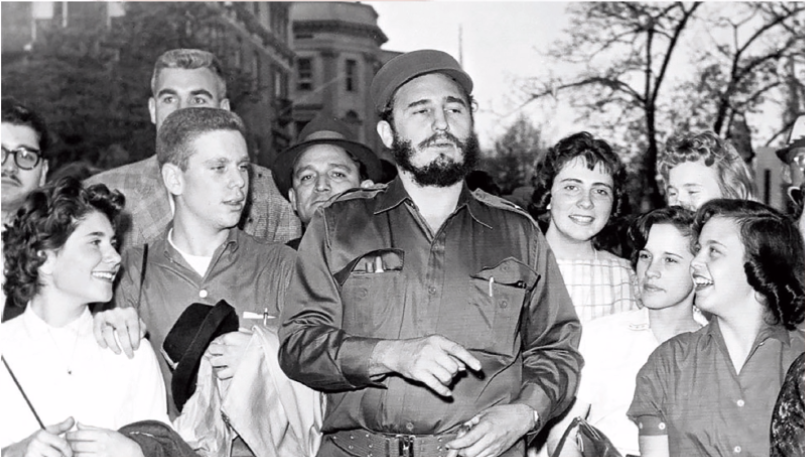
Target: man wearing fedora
(202, 256)
(324, 163)
(435, 319)
(793, 156)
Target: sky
(501, 43)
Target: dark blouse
(690, 391)
(788, 419)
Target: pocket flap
(374, 262)
(510, 272)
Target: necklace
(68, 366)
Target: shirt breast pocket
(373, 294)
(497, 296)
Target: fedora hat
(324, 129)
(187, 340)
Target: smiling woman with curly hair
(713, 391)
(60, 256)
(578, 189)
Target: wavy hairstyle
(189, 59)
(678, 217)
(595, 152)
(734, 178)
(47, 218)
(774, 260)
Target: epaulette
(501, 203)
(359, 193)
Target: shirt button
(409, 426)
(740, 403)
(432, 290)
(202, 293)
(504, 304)
(661, 426)
(736, 449)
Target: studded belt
(368, 444)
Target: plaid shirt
(600, 287)
(268, 215)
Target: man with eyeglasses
(25, 140)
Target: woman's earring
(548, 207)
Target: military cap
(408, 66)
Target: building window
(280, 84)
(279, 21)
(304, 74)
(256, 82)
(237, 53)
(352, 76)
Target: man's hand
(43, 443)
(433, 360)
(226, 352)
(102, 442)
(124, 323)
(493, 431)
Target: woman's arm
(654, 446)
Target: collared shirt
(614, 349)
(250, 274)
(65, 373)
(690, 391)
(600, 287)
(369, 269)
(267, 214)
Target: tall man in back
(435, 319)
(185, 78)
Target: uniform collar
(396, 194)
(640, 320)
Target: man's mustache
(441, 137)
(11, 176)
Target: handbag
(590, 441)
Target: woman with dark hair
(578, 188)
(712, 392)
(616, 347)
(61, 393)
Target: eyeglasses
(25, 158)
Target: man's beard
(441, 172)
